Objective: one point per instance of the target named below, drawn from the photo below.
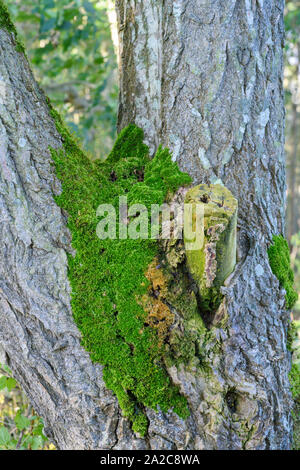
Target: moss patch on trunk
(280, 262)
(6, 23)
(294, 377)
(108, 277)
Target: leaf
(89, 8)
(10, 383)
(21, 421)
(48, 25)
(3, 381)
(38, 431)
(23, 16)
(36, 443)
(48, 4)
(4, 436)
(297, 361)
(6, 368)
(70, 14)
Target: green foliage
(295, 381)
(70, 48)
(6, 23)
(108, 276)
(295, 263)
(296, 430)
(7, 382)
(292, 335)
(292, 21)
(294, 347)
(294, 376)
(279, 258)
(20, 427)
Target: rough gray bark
(205, 79)
(37, 331)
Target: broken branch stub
(210, 239)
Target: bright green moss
(292, 335)
(6, 23)
(295, 381)
(108, 276)
(294, 377)
(279, 258)
(129, 143)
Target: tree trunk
(203, 78)
(37, 332)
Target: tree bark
(37, 332)
(205, 79)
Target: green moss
(214, 258)
(294, 377)
(129, 144)
(295, 381)
(279, 258)
(296, 430)
(6, 23)
(291, 335)
(108, 276)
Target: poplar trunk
(203, 78)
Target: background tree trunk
(292, 174)
(203, 78)
(293, 129)
(37, 332)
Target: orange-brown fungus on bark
(159, 316)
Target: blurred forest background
(72, 46)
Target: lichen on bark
(212, 259)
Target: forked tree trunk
(204, 78)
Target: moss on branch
(109, 278)
(7, 24)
